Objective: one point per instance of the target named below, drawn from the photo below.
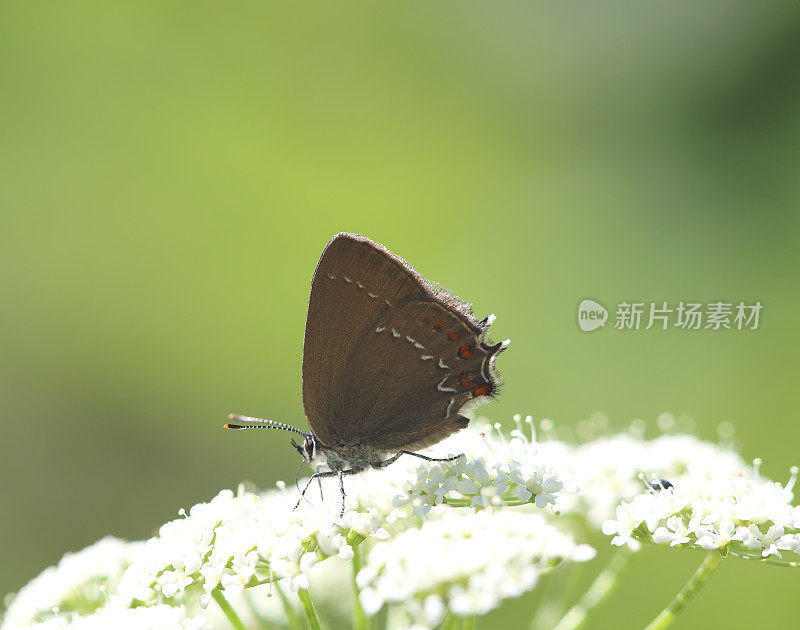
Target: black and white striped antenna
(248, 422)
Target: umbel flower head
(463, 562)
(241, 540)
(743, 513)
(495, 471)
(78, 584)
(607, 468)
(428, 540)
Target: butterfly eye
(309, 448)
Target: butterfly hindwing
(418, 367)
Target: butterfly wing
(356, 282)
(420, 365)
(389, 360)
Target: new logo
(591, 315)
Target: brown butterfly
(390, 361)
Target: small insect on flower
(389, 363)
(659, 484)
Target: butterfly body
(354, 458)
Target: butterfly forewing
(355, 283)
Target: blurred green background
(170, 173)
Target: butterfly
(390, 363)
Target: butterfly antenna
(248, 422)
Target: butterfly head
(308, 448)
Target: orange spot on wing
(481, 391)
(452, 335)
(465, 352)
(466, 382)
(439, 325)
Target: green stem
(292, 620)
(777, 563)
(687, 593)
(360, 619)
(604, 584)
(552, 603)
(308, 608)
(230, 613)
(456, 502)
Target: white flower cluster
(79, 583)
(494, 471)
(463, 561)
(607, 469)
(422, 557)
(742, 513)
(237, 541)
(229, 543)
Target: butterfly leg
(297, 482)
(341, 474)
(394, 458)
(341, 489)
(311, 479)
